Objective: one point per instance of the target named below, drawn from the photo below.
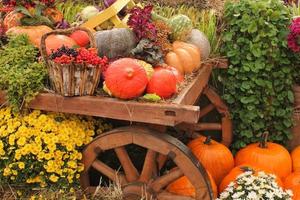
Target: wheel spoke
(166, 179)
(150, 166)
(109, 172)
(206, 110)
(131, 172)
(161, 160)
(208, 126)
(170, 196)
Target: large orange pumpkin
(235, 172)
(54, 14)
(126, 78)
(183, 186)
(184, 57)
(215, 157)
(34, 33)
(296, 159)
(53, 42)
(12, 19)
(267, 156)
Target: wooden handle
(64, 32)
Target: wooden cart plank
(190, 94)
(154, 113)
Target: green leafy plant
(20, 73)
(70, 9)
(35, 18)
(259, 79)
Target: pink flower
(294, 35)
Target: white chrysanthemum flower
(252, 187)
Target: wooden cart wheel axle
(148, 183)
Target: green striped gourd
(181, 25)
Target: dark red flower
(141, 24)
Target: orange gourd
(184, 57)
(183, 186)
(34, 33)
(12, 19)
(235, 172)
(296, 159)
(54, 14)
(267, 156)
(126, 78)
(215, 157)
(53, 42)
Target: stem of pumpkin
(264, 139)
(207, 140)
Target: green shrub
(259, 79)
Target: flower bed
(42, 149)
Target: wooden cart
(181, 112)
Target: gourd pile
(223, 168)
(147, 60)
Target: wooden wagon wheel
(226, 124)
(148, 183)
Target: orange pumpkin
(268, 156)
(184, 57)
(296, 159)
(292, 180)
(34, 33)
(126, 78)
(53, 42)
(235, 172)
(183, 186)
(12, 19)
(296, 192)
(215, 157)
(54, 14)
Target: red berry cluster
(65, 55)
(90, 56)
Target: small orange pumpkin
(235, 172)
(296, 159)
(183, 186)
(34, 33)
(126, 78)
(184, 57)
(12, 19)
(268, 156)
(54, 14)
(215, 157)
(296, 192)
(53, 42)
(292, 180)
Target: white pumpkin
(200, 40)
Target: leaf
(23, 10)
(290, 96)
(252, 28)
